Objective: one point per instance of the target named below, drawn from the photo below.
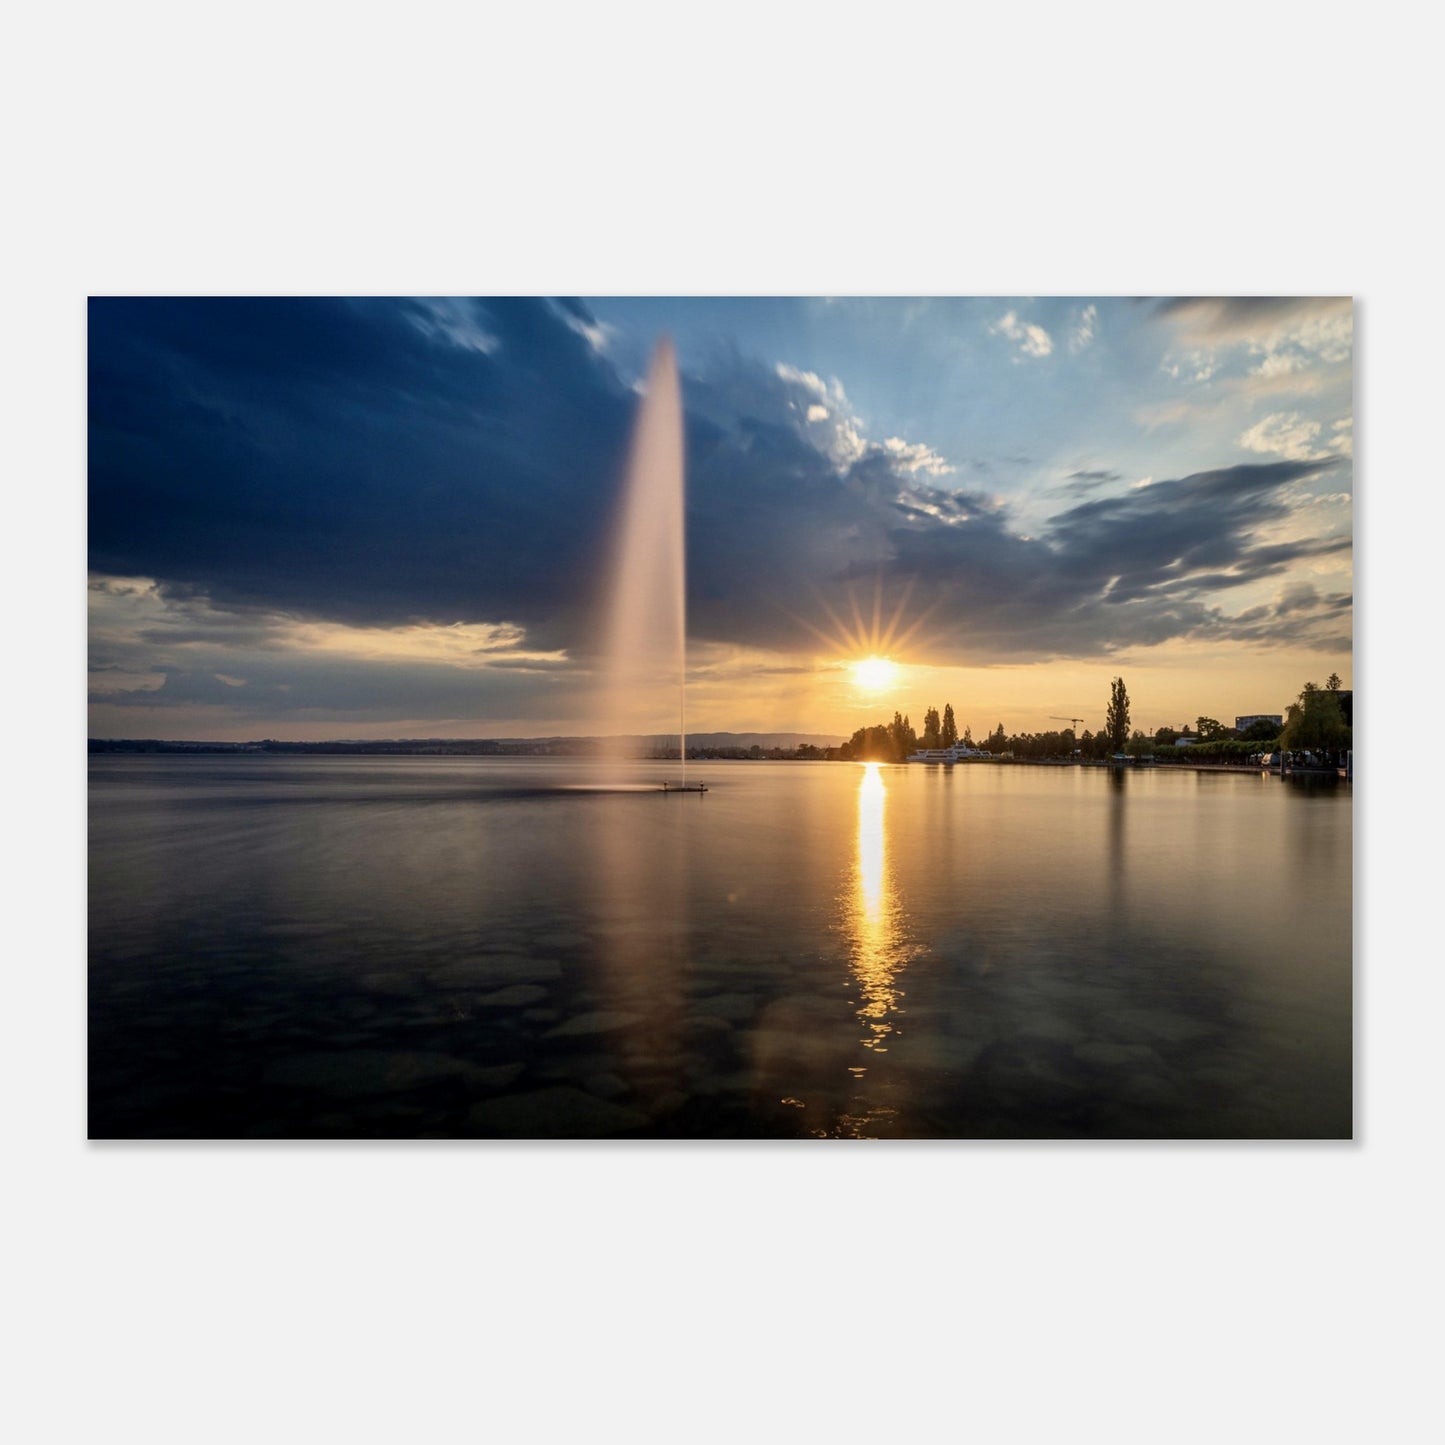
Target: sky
(321, 518)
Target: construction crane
(1075, 729)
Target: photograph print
(737, 718)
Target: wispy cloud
(1284, 434)
(1288, 434)
(833, 424)
(1320, 324)
(1189, 366)
(1084, 481)
(458, 319)
(840, 428)
(914, 457)
(1032, 340)
(1291, 338)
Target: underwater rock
(603, 1021)
(367, 1071)
(516, 995)
(605, 1086)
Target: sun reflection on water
(873, 918)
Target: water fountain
(647, 636)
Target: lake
(384, 947)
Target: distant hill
(694, 740)
(641, 744)
(729, 740)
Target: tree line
(893, 742)
(1315, 723)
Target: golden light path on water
(874, 917)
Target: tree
(950, 727)
(873, 745)
(902, 739)
(1209, 727)
(931, 729)
(1315, 723)
(967, 736)
(1116, 719)
(1332, 682)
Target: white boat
(958, 753)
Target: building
(1240, 723)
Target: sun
(874, 674)
(866, 645)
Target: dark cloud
(384, 462)
(362, 461)
(1226, 319)
(1085, 481)
(329, 687)
(1170, 531)
(1299, 597)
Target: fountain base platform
(684, 787)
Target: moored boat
(958, 753)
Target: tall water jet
(647, 633)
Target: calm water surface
(469, 947)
